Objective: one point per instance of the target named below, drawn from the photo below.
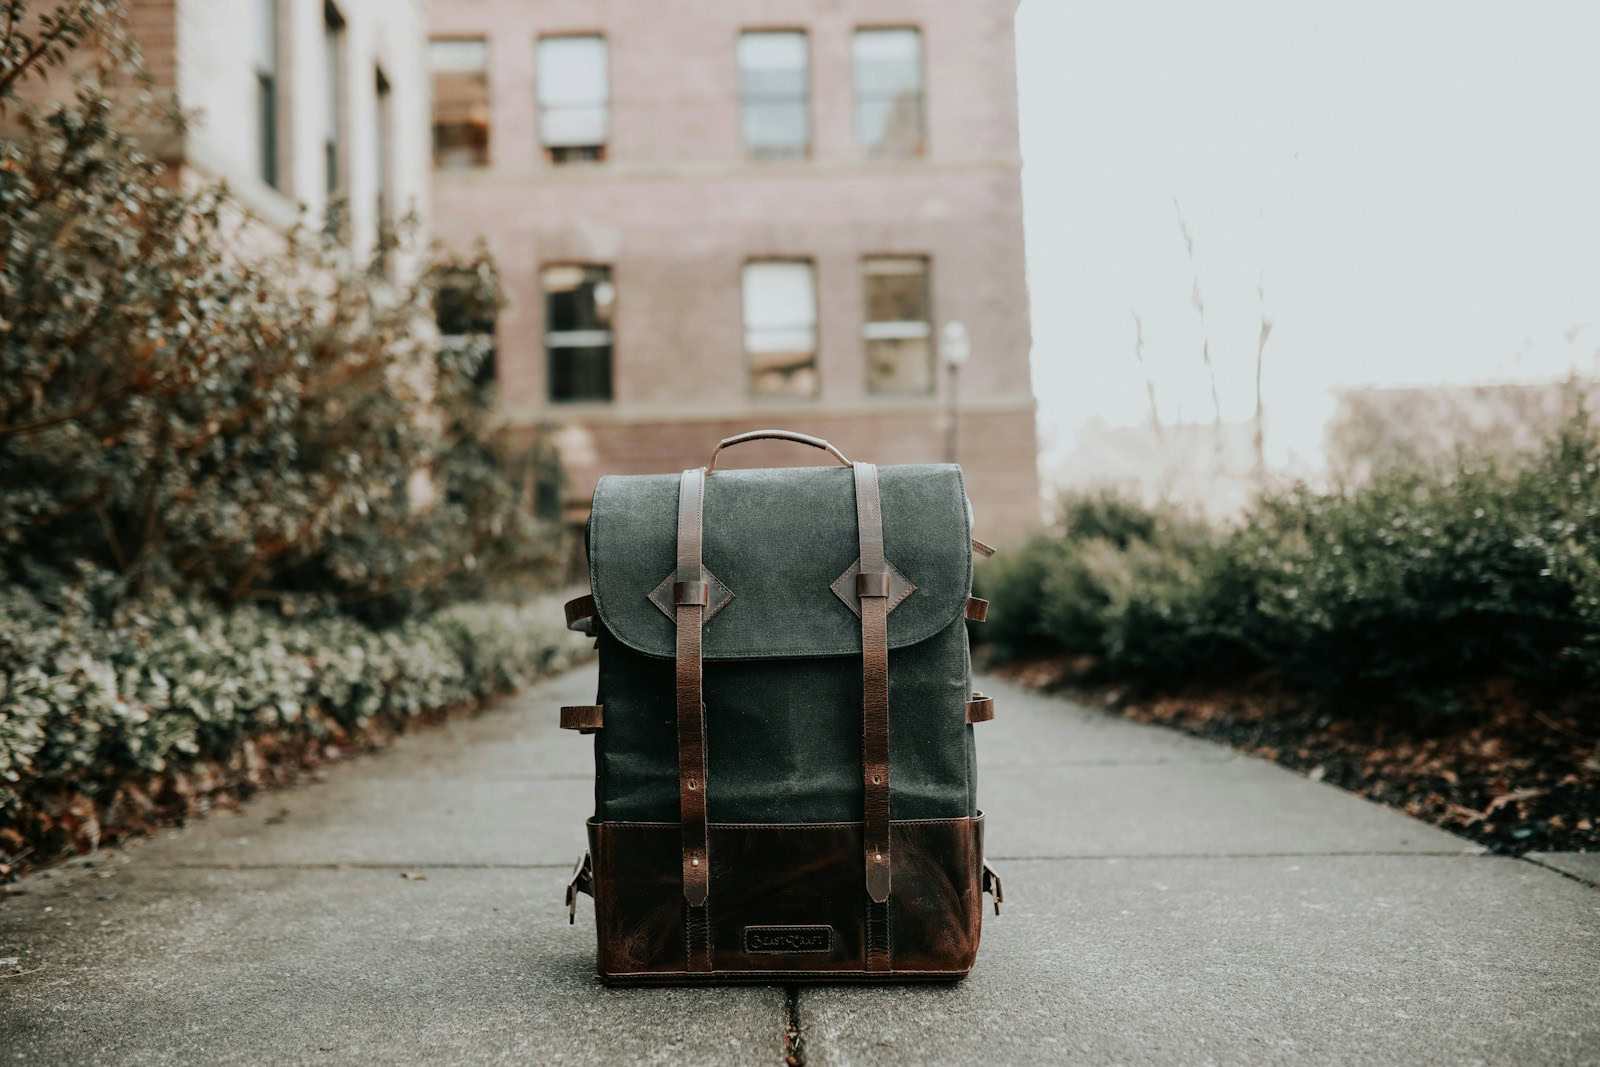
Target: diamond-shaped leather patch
(717, 596)
(844, 587)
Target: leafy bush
(85, 704)
(241, 490)
(1409, 586)
(235, 426)
(1068, 587)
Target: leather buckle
(582, 881)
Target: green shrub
(85, 703)
(234, 426)
(1408, 587)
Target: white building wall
(216, 78)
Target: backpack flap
(781, 548)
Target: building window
(266, 64)
(898, 330)
(889, 104)
(334, 114)
(574, 98)
(460, 103)
(774, 94)
(463, 318)
(579, 303)
(780, 327)
(383, 168)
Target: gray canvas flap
(778, 539)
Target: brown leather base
(787, 902)
(665, 978)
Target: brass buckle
(582, 881)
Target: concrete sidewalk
(1167, 901)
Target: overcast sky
(1415, 184)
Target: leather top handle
(776, 435)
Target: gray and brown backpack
(785, 784)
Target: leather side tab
(982, 549)
(980, 708)
(580, 613)
(977, 609)
(584, 718)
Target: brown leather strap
(689, 595)
(980, 708)
(982, 549)
(585, 718)
(872, 587)
(580, 614)
(977, 610)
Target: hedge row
(86, 704)
(1413, 586)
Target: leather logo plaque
(787, 939)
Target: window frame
(336, 72)
(488, 92)
(922, 89)
(383, 187)
(805, 97)
(867, 324)
(488, 371)
(610, 332)
(815, 326)
(269, 108)
(565, 155)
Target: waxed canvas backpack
(785, 784)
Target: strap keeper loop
(872, 584)
(690, 593)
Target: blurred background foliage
(189, 417)
(244, 480)
(1411, 586)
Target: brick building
(713, 216)
(299, 102)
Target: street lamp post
(954, 348)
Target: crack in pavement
(794, 1045)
